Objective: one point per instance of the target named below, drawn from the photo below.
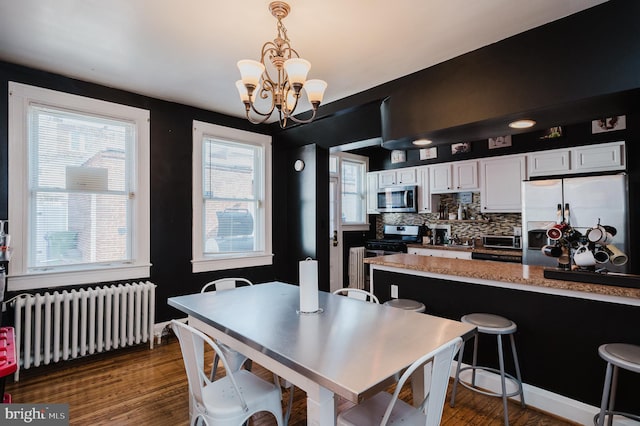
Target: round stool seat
(406, 304)
(490, 323)
(621, 354)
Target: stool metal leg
(612, 393)
(457, 378)
(605, 394)
(517, 364)
(475, 358)
(503, 380)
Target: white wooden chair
(357, 293)
(384, 408)
(231, 400)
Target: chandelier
(281, 75)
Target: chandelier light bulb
(315, 90)
(297, 70)
(250, 72)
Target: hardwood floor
(138, 386)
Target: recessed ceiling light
(422, 142)
(522, 124)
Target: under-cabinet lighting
(522, 124)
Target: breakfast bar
(560, 323)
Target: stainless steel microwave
(502, 241)
(398, 199)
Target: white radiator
(56, 326)
(356, 267)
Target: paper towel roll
(309, 285)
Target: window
(79, 189)
(351, 172)
(231, 198)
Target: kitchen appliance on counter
(400, 199)
(578, 202)
(510, 242)
(395, 240)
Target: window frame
(341, 156)
(202, 262)
(21, 96)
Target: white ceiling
(186, 51)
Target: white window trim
(360, 158)
(200, 261)
(20, 97)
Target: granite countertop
(495, 271)
(462, 247)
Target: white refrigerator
(582, 202)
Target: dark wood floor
(138, 386)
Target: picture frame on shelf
(500, 142)
(460, 148)
(553, 133)
(428, 153)
(609, 124)
(398, 156)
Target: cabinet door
(596, 158)
(547, 163)
(502, 178)
(406, 176)
(372, 193)
(440, 178)
(465, 175)
(425, 199)
(386, 179)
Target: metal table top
(351, 348)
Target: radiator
(60, 326)
(356, 267)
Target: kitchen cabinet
(454, 177)
(603, 157)
(450, 254)
(501, 183)
(397, 177)
(547, 163)
(372, 193)
(426, 201)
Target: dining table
(348, 347)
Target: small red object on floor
(8, 364)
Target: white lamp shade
(315, 90)
(242, 91)
(297, 69)
(250, 71)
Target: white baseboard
(543, 400)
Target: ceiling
(186, 51)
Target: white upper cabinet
(397, 177)
(602, 157)
(501, 184)
(372, 193)
(425, 199)
(454, 177)
(546, 163)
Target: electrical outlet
(394, 291)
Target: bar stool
(617, 355)
(406, 304)
(499, 326)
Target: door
(335, 234)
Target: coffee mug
(584, 257)
(597, 234)
(610, 229)
(555, 233)
(551, 251)
(601, 255)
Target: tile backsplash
(487, 223)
